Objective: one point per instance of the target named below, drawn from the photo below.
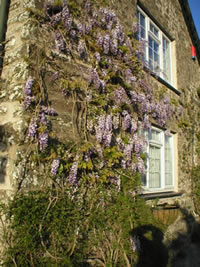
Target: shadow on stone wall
(3, 149)
(3, 164)
(152, 252)
(181, 247)
(184, 250)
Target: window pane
(153, 29)
(150, 42)
(142, 20)
(166, 59)
(156, 47)
(155, 58)
(151, 53)
(151, 64)
(168, 161)
(154, 135)
(141, 30)
(156, 32)
(142, 35)
(154, 167)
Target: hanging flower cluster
(28, 99)
(38, 127)
(54, 166)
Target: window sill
(172, 88)
(165, 194)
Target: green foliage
(56, 227)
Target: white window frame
(159, 144)
(159, 70)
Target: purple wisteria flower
(130, 78)
(118, 34)
(43, 141)
(73, 173)
(108, 15)
(54, 166)
(43, 118)
(56, 19)
(94, 79)
(147, 124)
(133, 126)
(128, 151)
(100, 40)
(106, 44)
(133, 167)
(123, 164)
(139, 144)
(60, 44)
(97, 57)
(100, 128)
(28, 100)
(116, 121)
(29, 86)
(107, 138)
(66, 16)
(32, 129)
(145, 107)
(166, 100)
(73, 33)
(81, 28)
(141, 166)
(114, 46)
(89, 26)
(108, 123)
(141, 98)
(121, 97)
(104, 129)
(49, 111)
(134, 97)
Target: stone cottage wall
(20, 31)
(23, 37)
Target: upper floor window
(157, 48)
(160, 158)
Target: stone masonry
(22, 32)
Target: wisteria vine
(120, 99)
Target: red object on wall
(193, 52)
